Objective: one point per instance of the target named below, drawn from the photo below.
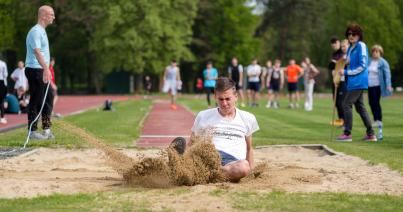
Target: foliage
(92, 38)
(223, 29)
(295, 28)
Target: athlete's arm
(249, 151)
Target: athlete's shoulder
(245, 114)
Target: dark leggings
(209, 91)
(341, 93)
(3, 93)
(374, 98)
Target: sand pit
(294, 169)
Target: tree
(223, 29)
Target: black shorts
(274, 86)
(255, 86)
(292, 87)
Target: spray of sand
(200, 164)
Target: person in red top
(53, 84)
(293, 73)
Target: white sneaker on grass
(48, 134)
(34, 135)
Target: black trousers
(374, 98)
(340, 95)
(3, 93)
(37, 90)
(209, 91)
(355, 97)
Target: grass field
(113, 127)
(282, 126)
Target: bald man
(38, 73)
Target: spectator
(337, 55)
(310, 72)
(293, 73)
(357, 82)
(3, 90)
(275, 82)
(210, 75)
(21, 81)
(253, 71)
(11, 104)
(379, 84)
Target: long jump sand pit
(46, 171)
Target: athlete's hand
(47, 76)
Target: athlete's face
(226, 101)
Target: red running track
(163, 124)
(66, 105)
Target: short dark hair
(209, 62)
(355, 28)
(223, 84)
(334, 39)
(173, 61)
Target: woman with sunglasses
(357, 81)
(379, 84)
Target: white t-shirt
(373, 77)
(3, 72)
(228, 134)
(22, 80)
(254, 70)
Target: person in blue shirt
(356, 82)
(210, 75)
(38, 74)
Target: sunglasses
(351, 33)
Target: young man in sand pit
(231, 131)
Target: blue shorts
(226, 158)
(254, 86)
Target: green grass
(281, 201)
(105, 201)
(286, 126)
(139, 199)
(119, 128)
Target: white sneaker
(268, 105)
(3, 121)
(48, 134)
(36, 136)
(275, 105)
